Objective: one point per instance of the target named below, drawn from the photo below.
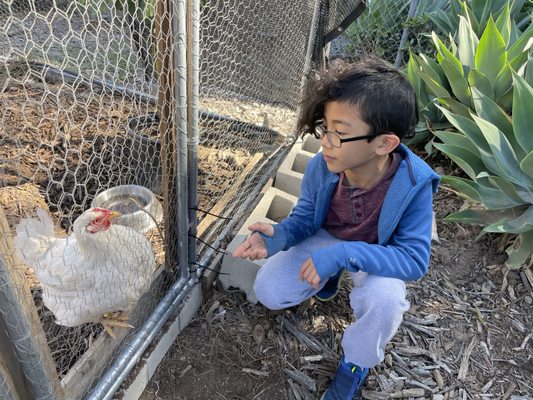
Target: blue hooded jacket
(404, 226)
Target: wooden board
(203, 227)
(22, 290)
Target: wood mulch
(468, 335)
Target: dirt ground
(467, 336)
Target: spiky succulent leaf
(467, 42)
(479, 81)
(491, 53)
(489, 110)
(523, 222)
(527, 164)
(503, 153)
(520, 251)
(503, 23)
(522, 115)
(491, 197)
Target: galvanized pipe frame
(193, 134)
(180, 92)
(18, 330)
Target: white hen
(101, 268)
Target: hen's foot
(114, 320)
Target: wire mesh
(378, 30)
(87, 105)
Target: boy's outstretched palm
(253, 248)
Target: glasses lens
(334, 139)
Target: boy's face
(357, 156)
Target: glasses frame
(320, 131)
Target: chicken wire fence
(172, 113)
(388, 29)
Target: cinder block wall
(276, 203)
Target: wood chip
(438, 378)
(318, 357)
(408, 393)
(303, 337)
(301, 378)
(255, 372)
(463, 369)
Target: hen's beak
(113, 215)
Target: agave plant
(447, 19)
(485, 62)
(496, 153)
(482, 75)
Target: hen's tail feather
(34, 237)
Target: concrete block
(238, 273)
(290, 173)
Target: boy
(365, 207)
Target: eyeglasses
(334, 138)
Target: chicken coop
(180, 109)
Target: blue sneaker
(330, 289)
(347, 382)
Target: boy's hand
(253, 248)
(309, 274)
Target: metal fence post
(405, 34)
(16, 326)
(193, 84)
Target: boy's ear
(387, 143)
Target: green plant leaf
(417, 83)
(521, 223)
(519, 195)
(490, 198)
(478, 80)
(455, 106)
(503, 81)
(481, 9)
(442, 20)
(457, 139)
(467, 43)
(503, 23)
(528, 75)
(527, 164)
(523, 43)
(505, 101)
(519, 62)
(467, 161)
(477, 215)
(504, 156)
(520, 251)
(491, 55)
(435, 69)
(468, 127)
(490, 111)
(468, 13)
(458, 82)
(522, 115)
(433, 86)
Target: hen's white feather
(34, 237)
(86, 274)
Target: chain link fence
(195, 101)
(379, 29)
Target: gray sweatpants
(377, 302)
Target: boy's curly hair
(384, 97)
